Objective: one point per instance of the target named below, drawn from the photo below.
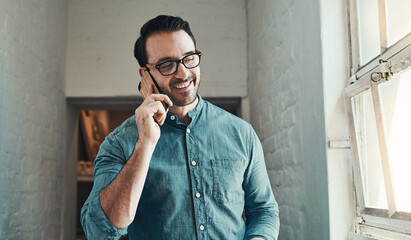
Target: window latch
(386, 70)
(383, 73)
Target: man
(188, 173)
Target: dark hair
(161, 23)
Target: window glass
(369, 151)
(398, 19)
(396, 102)
(368, 28)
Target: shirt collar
(197, 109)
(173, 119)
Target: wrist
(146, 144)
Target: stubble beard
(189, 96)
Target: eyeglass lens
(170, 67)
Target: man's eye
(167, 65)
(189, 59)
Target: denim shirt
(203, 181)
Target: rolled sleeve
(95, 223)
(261, 208)
(108, 163)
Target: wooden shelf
(84, 178)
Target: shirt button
(201, 227)
(198, 195)
(188, 130)
(173, 117)
(193, 163)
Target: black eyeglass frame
(181, 60)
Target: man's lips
(182, 86)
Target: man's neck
(182, 112)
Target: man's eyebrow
(161, 60)
(190, 52)
(164, 59)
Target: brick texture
(101, 36)
(287, 110)
(32, 117)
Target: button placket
(199, 208)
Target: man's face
(182, 86)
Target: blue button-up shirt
(207, 180)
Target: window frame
(372, 222)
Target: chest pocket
(228, 175)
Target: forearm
(119, 200)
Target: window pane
(399, 19)
(368, 29)
(369, 151)
(396, 101)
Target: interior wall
(286, 99)
(287, 110)
(32, 120)
(101, 36)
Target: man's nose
(182, 71)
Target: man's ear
(141, 70)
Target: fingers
(162, 119)
(155, 106)
(152, 97)
(154, 110)
(161, 114)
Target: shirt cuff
(101, 220)
(256, 236)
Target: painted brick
(286, 109)
(32, 153)
(102, 34)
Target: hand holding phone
(150, 115)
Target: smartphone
(144, 87)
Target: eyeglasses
(170, 67)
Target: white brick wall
(287, 110)
(32, 118)
(101, 36)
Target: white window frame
(375, 223)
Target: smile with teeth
(183, 85)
